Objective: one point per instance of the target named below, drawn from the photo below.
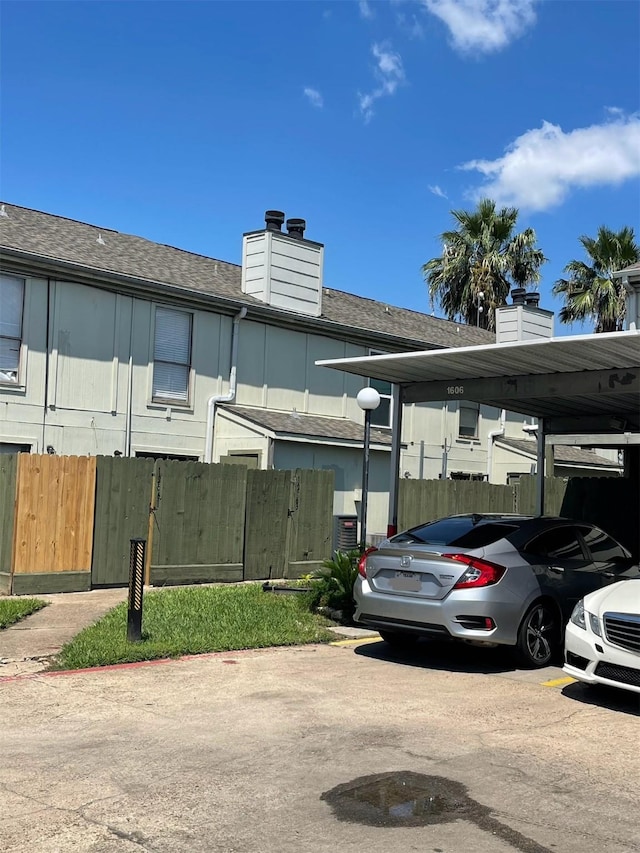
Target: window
(468, 420)
(466, 475)
(560, 543)
(172, 355)
(11, 303)
(381, 417)
(603, 548)
(178, 457)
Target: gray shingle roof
(298, 423)
(562, 453)
(104, 250)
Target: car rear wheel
(399, 639)
(538, 636)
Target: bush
(332, 585)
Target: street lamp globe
(368, 399)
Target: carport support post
(540, 463)
(394, 464)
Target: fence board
(54, 514)
(200, 522)
(123, 493)
(425, 500)
(554, 491)
(267, 514)
(8, 469)
(311, 521)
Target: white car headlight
(577, 617)
(595, 624)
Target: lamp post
(480, 306)
(368, 399)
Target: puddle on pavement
(412, 799)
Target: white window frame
(471, 407)
(18, 382)
(388, 397)
(171, 402)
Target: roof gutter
(213, 401)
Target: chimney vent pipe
(518, 295)
(274, 220)
(532, 299)
(295, 228)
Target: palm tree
(591, 292)
(481, 260)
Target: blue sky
(182, 122)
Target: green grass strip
(192, 621)
(12, 610)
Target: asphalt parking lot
(322, 748)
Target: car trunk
(414, 572)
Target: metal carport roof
(585, 383)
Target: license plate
(405, 581)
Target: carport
(584, 390)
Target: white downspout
(213, 401)
(493, 434)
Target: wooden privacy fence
(610, 502)
(66, 522)
(53, 522)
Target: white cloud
(541, 167)
(314, 97)
(483, 25)
(409, 25)
(389, 73)
(365, 9)
(436, 190)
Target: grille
(623, 630)
(621, 674)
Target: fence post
(136, 584)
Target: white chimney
(283, 270)
(524, 320)
(631, 284)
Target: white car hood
(621, 597)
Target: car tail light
(479, 572)
(362, 562)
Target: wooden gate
(53, 523)
(198, 527)
(288, 529)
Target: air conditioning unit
(345, 532)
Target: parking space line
(559, 682)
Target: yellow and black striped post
(136, 581)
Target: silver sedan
(508, 580)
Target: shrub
(332, 585)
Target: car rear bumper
(612, 666)
(443, 617)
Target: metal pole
(365, 480)
(394, 463)
(136, 585)
(540, 464)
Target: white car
(602, 639)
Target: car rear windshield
(465, 532)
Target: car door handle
(556, 569)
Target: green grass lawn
(195, 620)
(12, 610)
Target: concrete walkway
(28, 646)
